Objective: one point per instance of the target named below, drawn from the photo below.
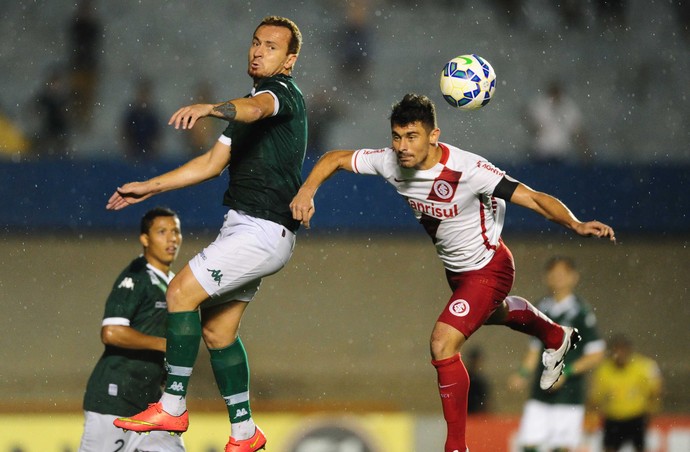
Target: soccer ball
(468, 82)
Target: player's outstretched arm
(242, 110)
(302, 204)
(554, 210)
(197, 170)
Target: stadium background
(343, 330)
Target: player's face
(268, 54)
(561, 278)
(162, 242)
(415, 146)
(620, 354)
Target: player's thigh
(567, 422)
(240, 257)
(478, 293)
(614, 434)
(100, 435)
(470, 305)
(534, 424)
(638, 428)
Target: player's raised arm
(248, 109)
(554, 210)
(197, 170)
(302, 204)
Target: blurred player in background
(129, 374)
(263, 147)
(626, 391)
(553, 420)
(459, 198)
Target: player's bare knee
(446, 341)
(214, 338)
(442, 346)
(173, 298)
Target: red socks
(524, 317)
(453, 384)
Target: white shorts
(100, 435)
(246, 250)
(551, 426)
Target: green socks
(229, 365)
(183, 336)
(231, 370)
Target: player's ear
(144, 240)
(434, 136)
(290, 61)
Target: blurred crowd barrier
(57, 195)
(332, 432)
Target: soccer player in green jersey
(553, 420)
(263, 148)
(130, 372)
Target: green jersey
(125, 381)
(266, 163)
(576, 313)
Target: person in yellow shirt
(625, 390)
(13, 141)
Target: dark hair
(413, 108)
(568, 261)
(619, 340)
(151, 215)
(295, 41)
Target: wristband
(225, 140)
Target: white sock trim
(174, 405)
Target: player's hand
(302, 207)
(596, 229)
(187, 116)
(517, 382)
(130, 193)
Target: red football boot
(154, 418)
(256, 442)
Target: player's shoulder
(137, 266)
(133, 272)
(385, 155)
(582, 306)
(378, 152)
(545, 303)
(461, 159)
(278, 84)
(643, 360)
(458, 153)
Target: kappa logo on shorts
(216, 275)
(459, 308)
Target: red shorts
(478, 293)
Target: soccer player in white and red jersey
(460, 199)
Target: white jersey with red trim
(453, 201)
